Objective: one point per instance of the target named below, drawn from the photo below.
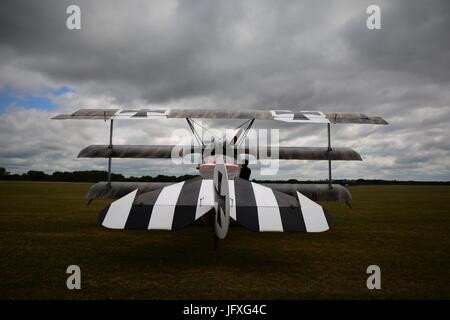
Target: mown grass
(44, 227)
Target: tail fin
(222, 198)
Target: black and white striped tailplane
(169, 208)
(260, 208)
(254, 206)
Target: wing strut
(247, 129)
(110, 147)
(194, 132)
(329, 159)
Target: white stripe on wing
(205, 200)
(118, 211)
(268, 212)
(232, 199)
(315, 220)
(164, 207)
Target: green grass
(44, 227)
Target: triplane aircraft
(223, 187)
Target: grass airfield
(47, 226)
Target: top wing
(353, 117)
(280, 115)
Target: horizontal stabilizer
(169, 151)
(254, 206)
(169, 208)
(260, 208)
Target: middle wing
(176, 151)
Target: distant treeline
(359, 182)
(96, 175)
(85, 176)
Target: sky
(302, 55)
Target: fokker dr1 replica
(223, 187)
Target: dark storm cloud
(229, 49)
(414, 39)
(234, 54)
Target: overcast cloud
(228, 54)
